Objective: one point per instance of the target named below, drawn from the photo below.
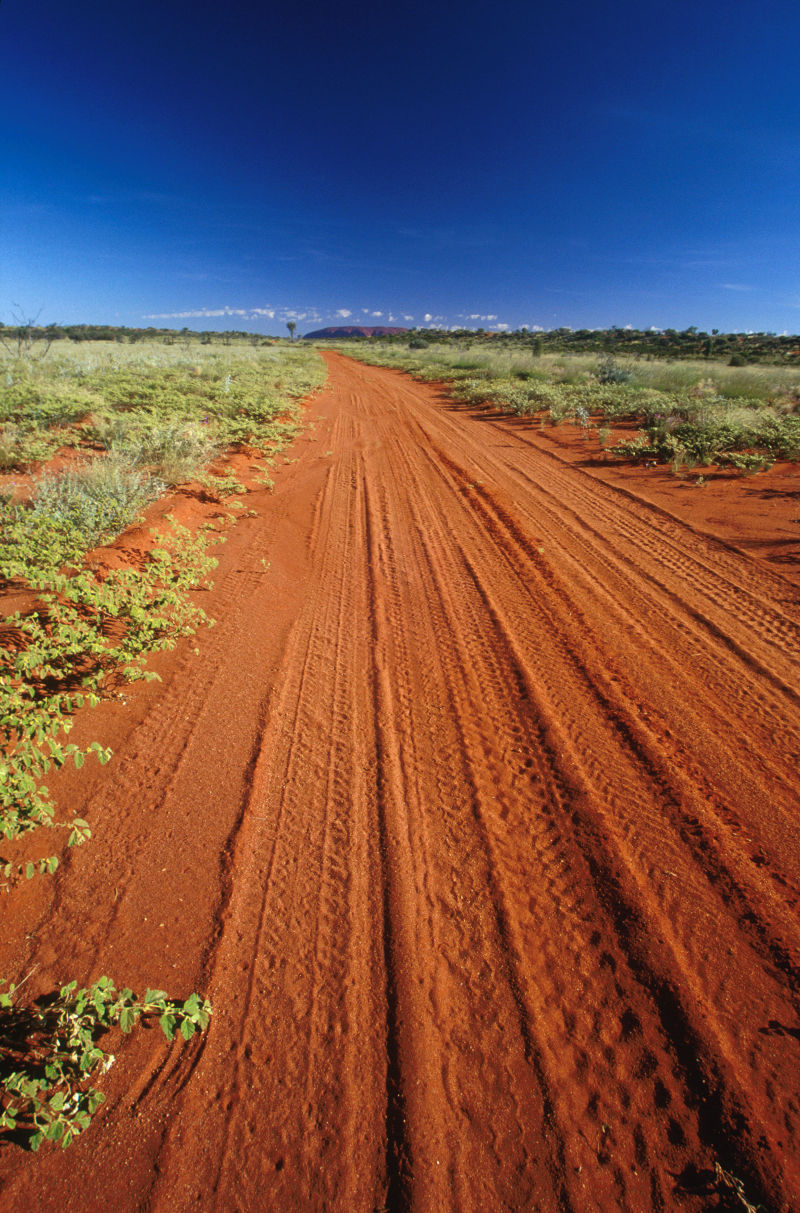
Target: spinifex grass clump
(99, 499)
(49, 1052)
(174, 451)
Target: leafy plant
(49, 1052)
(83, 637)
(222, 486)
(744, 461)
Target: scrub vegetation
(51, 1049)
(167, 407)
(129, 420)
(685, 411)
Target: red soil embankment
(476, 818)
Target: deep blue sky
(174, 163)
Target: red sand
(476, 818)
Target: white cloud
(261, 313)
(427, 317)
(247, 313)
(197, 313)
(501, 327)
(735, 286)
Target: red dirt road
(476, 818)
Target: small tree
(291, 326)
(24, 331)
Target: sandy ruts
(484, 798)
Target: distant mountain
(353, 330)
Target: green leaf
(168, 1022)
(192, 1005)
(128, 1017)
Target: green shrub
(610, 371)
(748, 440)
(98, 499)
(22, 444)
(66, 653)
(50, 1050)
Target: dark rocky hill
(353, 330)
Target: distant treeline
(27, 333)
(737, 348)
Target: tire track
(460, 628)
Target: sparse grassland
(163, 406)
(689, 413)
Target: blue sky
(432, 164)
